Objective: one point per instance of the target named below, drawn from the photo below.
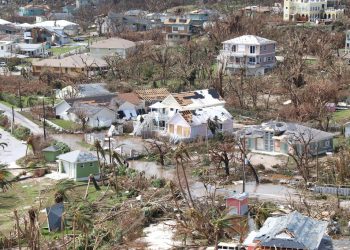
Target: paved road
(15, 149)
(20, 119)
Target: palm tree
(119, 159)
(61, 188)
(30, 143)
(81, 217)
(181, 155)
(4, 175)
(30, 101)
(99, 150)
(236, 223)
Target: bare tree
(302, 147)
(223, 152)
(161, 148)
(82, 116)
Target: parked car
(3, 64)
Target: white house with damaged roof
(283, 138)
(185, 116)
(63, 109)
(95, 116)
(252, 55)
(293, 231)
(82, 90)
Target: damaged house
(282, 138)
(184, 116)
(97, 110)
(293, 231)
(129, 105)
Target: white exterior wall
(69, 169)
(104, 52)
(312, 9)
(238, 59)
(62, 108)
(129, 109)
(227, 125)
(199, 131)
(347, 41)
(105, 119)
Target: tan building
(312, 10)
(72, 65)
(177, 30)
(111, 47)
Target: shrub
(62, 146)
(158, 183)
(4, 121)
(21, 133)
(10, 98)
(128, 127)
(205, 160)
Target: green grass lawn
(7, 104)
(30, 117)
(20, 196)
(61, 50)
(341, 116)
(67, 125)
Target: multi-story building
(250, 54)
(7, 49)
(347, 41)
(311, 10)
(177, 30)
(33, 10)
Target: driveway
(15, 149)
(21, 120)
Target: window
(171, 128)
(251, 60)
(171, 109)
(269, 59)
(234, 48)
(179, 130)
(238, 60)
(252, 49)
(2, 47)
(82, 165)
(91, 165)
(175, 29)
(326, 143)
(186, 132)
(264, 48)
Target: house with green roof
(78, 165)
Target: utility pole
(20, 95)
(44, 117)
(13, 119)
(244, 163)
(110, 151)
(317, 169)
